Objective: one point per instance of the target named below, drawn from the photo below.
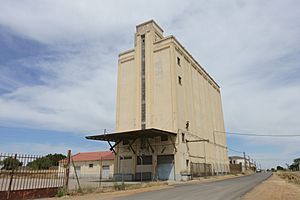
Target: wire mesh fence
(22, 172)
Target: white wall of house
(92, 169)
(242, 161)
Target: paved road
(229, 189)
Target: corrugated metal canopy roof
(118, 136)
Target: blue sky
(58, 68)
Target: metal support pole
(122, 168)
(12, 165)
(141, 158)
(100, 181)
(245, 161)
(66, 185)
(76, 176)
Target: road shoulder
(274, 188)
(115, 194)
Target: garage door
(165, 167)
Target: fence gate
(200, 169)
(29, 176)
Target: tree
(295, 165)
(10, 163)
(297, 160)
(279, 168)
(273, 170)
(46, 162)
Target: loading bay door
(165, 167)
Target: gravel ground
(274, 188)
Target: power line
(234, 150)
(260, 135)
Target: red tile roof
(93, 156)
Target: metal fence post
(76, 176)
(11, 175)
(67, 175)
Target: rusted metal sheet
(28, 194)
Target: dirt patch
(100, 195)
(274, 188)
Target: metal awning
(135, 134)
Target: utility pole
(249, 162)
(245, 161)
(259, 166)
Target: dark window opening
(187, 125)
(183, 137)
(164, 138)
(125, 157)
(125, 142)
(178, 61)
(91, 165)
(105, 167)
(187, 162)
(179, 80)
(144, 160)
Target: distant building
(240, 160)
(92, 164)
(169, 117)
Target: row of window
(179, 77)
(91, 165)
(146, 160)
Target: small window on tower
(178, 61)
(182, 137)
(179, 80)
(187, 163)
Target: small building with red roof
(93, 165)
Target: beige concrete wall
(127, 110)
(86, 171)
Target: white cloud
(81, 96)
(78, 21)
(44, 149)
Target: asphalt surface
(229, 189)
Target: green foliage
(46, 162)
(273, 170)
(119, 186)
(279, 168)
(297, 160)
(10, 163)
(295, 165)
(61, 192)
